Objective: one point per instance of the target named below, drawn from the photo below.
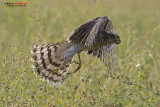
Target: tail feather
(48, 61)
(43, 48)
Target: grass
(136, 82)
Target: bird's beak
(118, 41)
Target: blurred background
(136, 82)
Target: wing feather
(80, 34)
(105, 53)
(109, 27)
(98, 27)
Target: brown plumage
(96, 36)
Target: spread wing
(80, 34)
(87, 34)
(106, 53)
(98, 27)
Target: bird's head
(111, 38)
(106, 31)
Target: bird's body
(95, 36)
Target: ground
(136, 81)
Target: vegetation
(136, 81)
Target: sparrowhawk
(96, 36)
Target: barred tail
(48, 62)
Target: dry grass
(136, 82)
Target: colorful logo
(20, 4)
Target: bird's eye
(116, 37)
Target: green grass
(138, 24)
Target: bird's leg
(78, 63)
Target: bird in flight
(96, 36)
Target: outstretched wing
(98, 27)
(80, 34)
(106, 53)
